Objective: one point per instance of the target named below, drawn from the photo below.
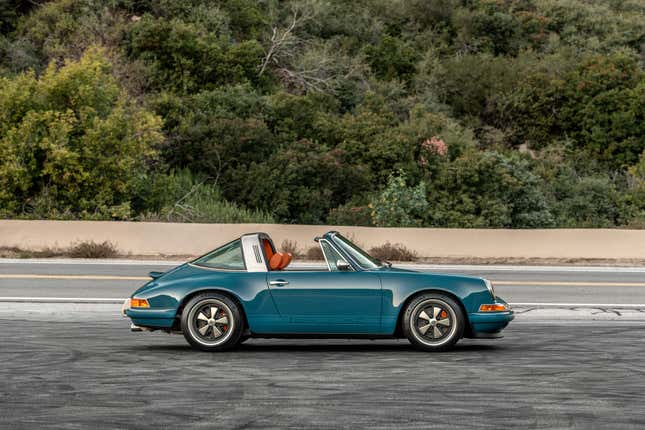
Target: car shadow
(264, 347)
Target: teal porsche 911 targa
(246, 289)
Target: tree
(399, 205)
(72, 140)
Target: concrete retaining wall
(192, 239)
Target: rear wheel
(212, 322)
(433, 322)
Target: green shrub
(184, 57)
(181, 197)
(350, 214)
(487, 189)
(299, 183)
(392, 58)
(400, 205)
(590, 202)
(73, 136)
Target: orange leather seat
(286, 259)
(280, 260)
(276, 261)
(267, 249)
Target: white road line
(60, 300)
(499, 268)
(90, 261)
(580, 305)
(87, 300)
(564, 284)
(76, 277)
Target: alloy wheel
(433, 322)
(211, 322)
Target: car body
(352, 295)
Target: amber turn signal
(139, 303)
(497, 307)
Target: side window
(331, 256)
(228, 257)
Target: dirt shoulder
(633, 262)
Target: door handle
(278, 282)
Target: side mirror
(343, 266)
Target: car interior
(277, 260)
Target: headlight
(489, 285)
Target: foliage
(488, 189)
(399, 205)
(350, 214)
(72, 138)
(479, 113)
(181, 197)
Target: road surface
(117, 280)
(76, 365)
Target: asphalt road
(67, 365)
(94, 373)
(518, 285)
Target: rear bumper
(155, 318)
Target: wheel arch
(398, 330)
(221, 291)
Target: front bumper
(490, 324)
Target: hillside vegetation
(446, 113)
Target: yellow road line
(571, 284)
(146, 278)
(82, 277)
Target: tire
(212, 322)
(433, 322)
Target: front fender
(399, 287)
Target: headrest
(275, 262)
(286, 259)
(280, 260)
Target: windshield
(361, 257)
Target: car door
(332, 301)
(327, 302)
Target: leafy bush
(184, 57)
(181, 197)
(349, 214)
(72, 135)
(299, 183)
(488, 189)
(399, 205)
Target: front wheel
(433, 322)
(212, 322)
